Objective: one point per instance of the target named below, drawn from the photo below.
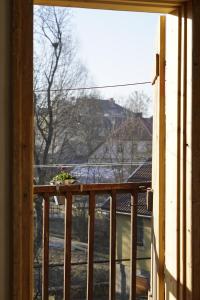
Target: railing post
(112, 274)
(91, 218)
(45, 264)
(67, 245)
(133, 252)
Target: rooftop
(142, 173)
(123, 203)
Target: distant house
(86, 123)
(126, 147)
(123, 208)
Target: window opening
(93, 124)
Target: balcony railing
(68, 191)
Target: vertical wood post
(161, 212)
(112, 274)
(45, 261)
(134, 200)
(195, 148)
(90, 266)
(67, 246)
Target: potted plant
(62, 178)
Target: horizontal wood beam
(159, 6)
(87, 188)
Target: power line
(95, 87)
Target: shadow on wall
(172, 286)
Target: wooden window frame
(22, 132)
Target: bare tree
(56, 70)
(138, 102)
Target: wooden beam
(22, 150)
(195, 150)
(87, 188)
(183, 169)
(158, 172)
(126, 5)
(178, 198)
(162, 136)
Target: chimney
(138, 114)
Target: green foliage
(63, 176)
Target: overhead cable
(94, 87)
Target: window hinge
(157, 69)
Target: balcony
(92, 191)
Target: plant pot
(60, 200)
(68, 181)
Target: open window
(173, 184)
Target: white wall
(4, 148)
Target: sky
(117, 47)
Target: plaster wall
(4, 148)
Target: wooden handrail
(57, 190)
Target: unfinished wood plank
(67, 243)
(162, 135)
(134, 201)
(45, 258)
(112, 271)
(195, 139)
(159, 6)
(90, 265)
(183, 180)
(21, 149)
(158, 173)
(178, 199)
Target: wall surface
(123, 241)
(175, 216)
(171, 157)
(178, 156)
(123, 252)
(4, 149)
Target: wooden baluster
(90, 266)
(67, 245)
(133, 250)
(45, 261)
(112, 260)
